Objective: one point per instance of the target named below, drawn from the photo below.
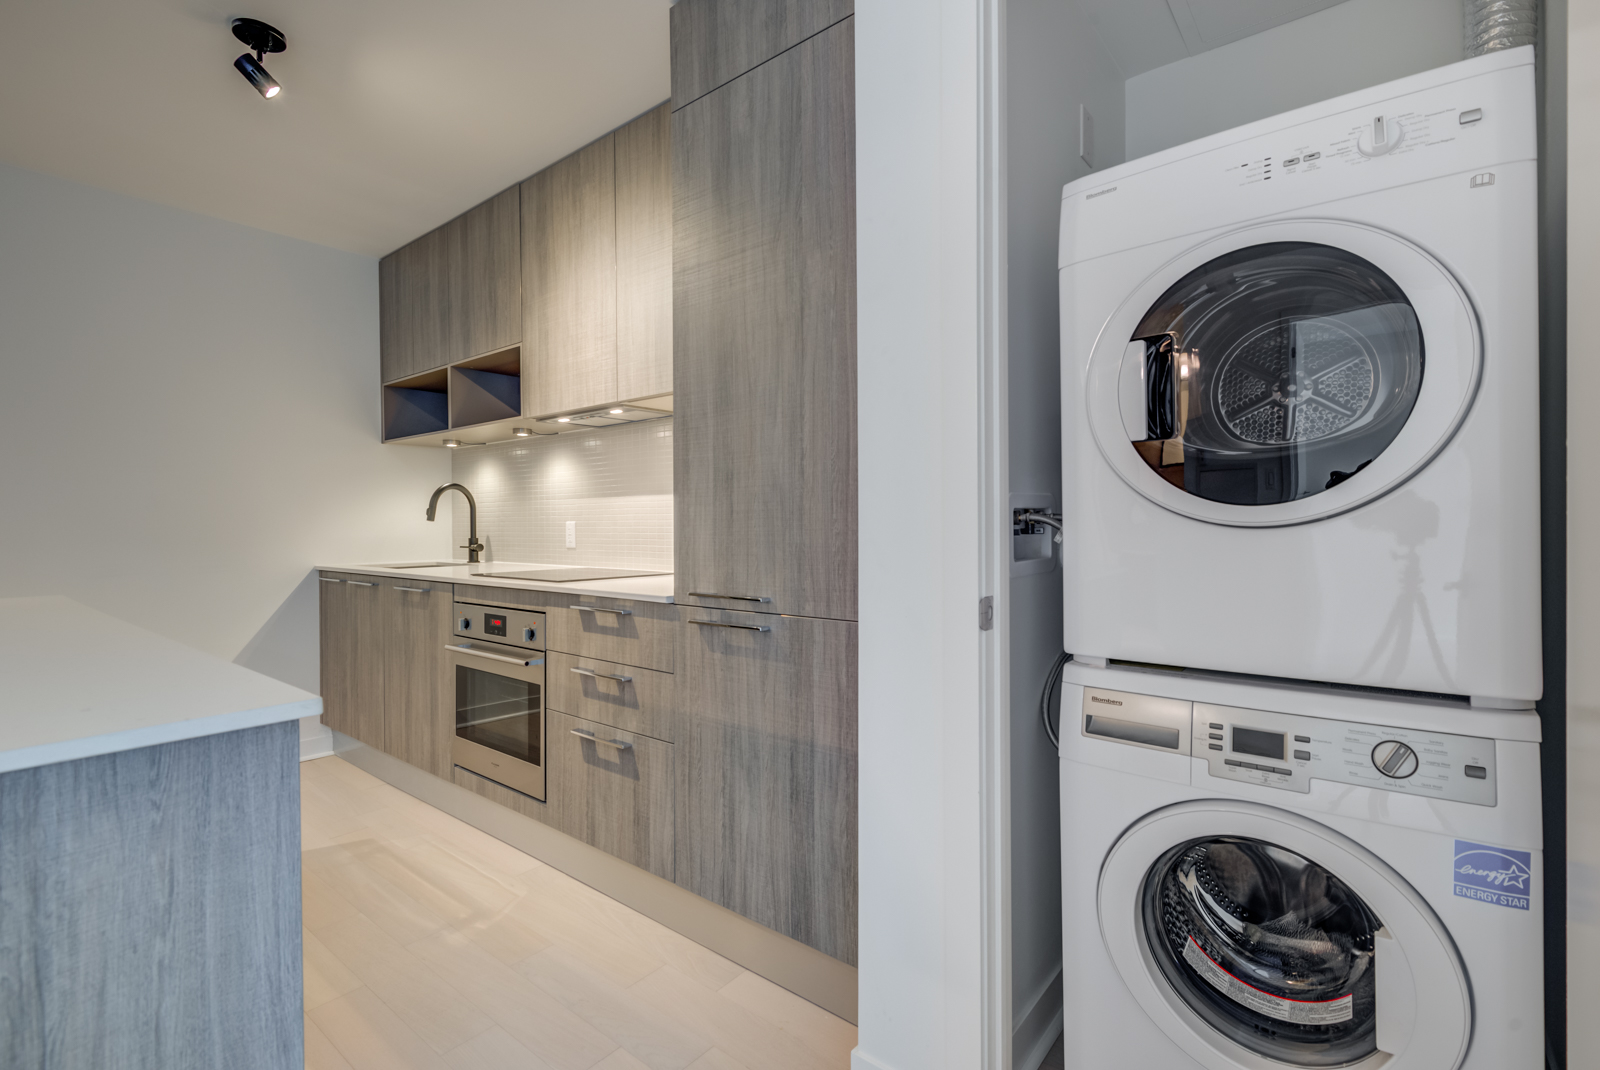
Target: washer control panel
(1288, 751)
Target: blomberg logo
(1101, 193)
(1493, 874)
(1107, 701)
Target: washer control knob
(1394, 759)
(1383, 135)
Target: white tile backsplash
(616, 484)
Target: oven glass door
(504, 715)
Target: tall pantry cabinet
(764, 381)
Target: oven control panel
(1288, 751)
(496, 624)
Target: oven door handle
(592, 738)
(619, 678)
(463, 648)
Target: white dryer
(1268, 877)
(1300, 394)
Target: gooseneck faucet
(473, 546)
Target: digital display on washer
(1259, 743)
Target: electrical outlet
(572, 534)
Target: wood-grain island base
(150, 908)
(784, 961)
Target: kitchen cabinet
(715, 41)
(352, 656)
(596, 256)
(623, 696)
(766, 772)
(418, 686)
(644, 255)
(454, 293)
(612, 790)
(384, 676)
(764, 371)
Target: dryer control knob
(1383, 135)
(1394, 759)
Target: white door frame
(934, 746)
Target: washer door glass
(1272, 950)
(1272, 373)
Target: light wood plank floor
(430, 944)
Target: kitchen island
(149, 849)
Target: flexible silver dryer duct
(1496, 24)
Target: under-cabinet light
(522, 432)
(453, 442)
(616, 412)
(563, 419)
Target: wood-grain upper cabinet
(715, 41)
(764, 319)
(766, 764)
(352, 656)
(644, 255)
(455, 292)
(596, 268)
(569, 266)
(418, 707)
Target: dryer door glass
(1269, 948)
(1273, 373)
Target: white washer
(1260, 877)
(1300, 394)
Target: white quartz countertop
(639, 588)
(75, 683)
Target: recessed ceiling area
(395, 115)
(1142, 35)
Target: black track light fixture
(259, 38)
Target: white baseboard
(316, 741)
(860, 1060)
(1037, 1027)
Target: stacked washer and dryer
(1299, 757)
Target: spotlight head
(260, 39)
(257, 76)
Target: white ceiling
(395, 115)
(1142, 35)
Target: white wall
(921, 907)
(1054, 63)
(189, 422)
(1337, 50)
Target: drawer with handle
(618, 630)
(623, 696)
(613, 790)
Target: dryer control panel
(1288, 751)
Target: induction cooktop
(570, 574)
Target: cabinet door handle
(592, 738)
(724, 624)
(602, 609)
(599, 675)
(463, 648)
(330, 579)
(418, 590)
(734, 597)
(360, 583)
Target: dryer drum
(1275, 372)
(1268, 947)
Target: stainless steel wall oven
(497, 660)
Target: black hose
(1052, 683)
